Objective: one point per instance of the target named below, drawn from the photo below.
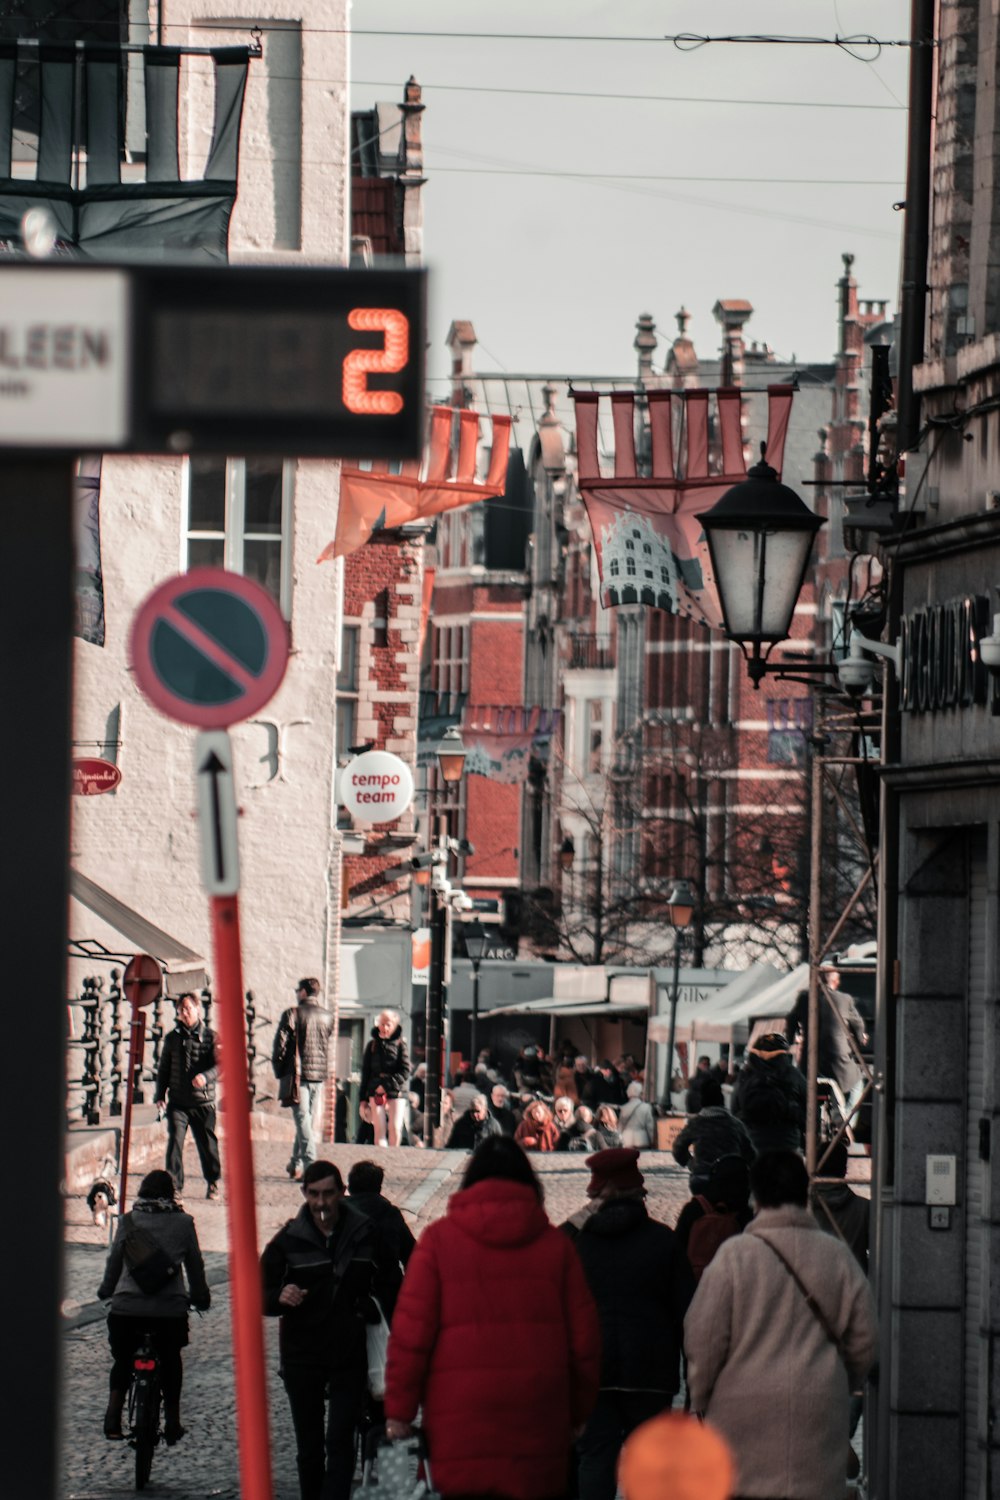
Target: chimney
(644, 345)
(732, 314)
(461, 341)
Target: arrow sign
(220, 855)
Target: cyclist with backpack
(155, 1247)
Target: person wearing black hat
(642, 1285)
(770, 1096)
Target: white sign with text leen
(64, 352)
(376, 787)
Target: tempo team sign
(376, 787)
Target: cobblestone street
(205, 1463)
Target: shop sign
(92, 776)
(940, 663)
(376, 787)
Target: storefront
(936, 1218)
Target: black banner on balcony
(77, 141)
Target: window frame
(234, 533)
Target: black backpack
(150, 1267)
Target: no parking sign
(209, 647)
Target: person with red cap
(642, 1285)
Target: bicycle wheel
(145, 1427)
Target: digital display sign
(321, 363)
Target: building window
(664, 575)
(647, 549)
(614, 567)
(630, 566)
(630, 546)
(348, 689)
(594, 730)
(238, 515)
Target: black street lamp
(451, 764)
(681, 903)
(475, 946)
(760, 536)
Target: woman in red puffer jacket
(488, 1284)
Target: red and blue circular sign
(209, 647)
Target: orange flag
(376, 499)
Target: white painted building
(268, 518)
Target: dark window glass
(262, 562)
(207, 503)
(347, 677)
(262, 506)
(206, 552)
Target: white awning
(138, 931)
(770, 1001)
(711, 1021)
(551, 1005)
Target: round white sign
(376, 787)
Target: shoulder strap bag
(811, 1302)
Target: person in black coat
(770, 1096)
(475, 1125)
(704, 1088)
(364, 1186)
(385, 1069)
(642, 1286)
(501, 1111)
(185, 1081)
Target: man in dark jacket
(302, 1042)
(185, 1081)
(364, 1184)
(474, 1126)
(711, 1133)
(500, 1109)
(642, 1287)
(770, 1096)
(704, 1088)
(319, 1273)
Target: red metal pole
(248, 1333)
(136, 1043)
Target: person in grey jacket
(164, 1314)
(185, 1080)
(302, 1044)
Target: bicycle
(145, 1396)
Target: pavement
(205, 1463)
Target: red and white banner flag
(650, 545)
(376, 499)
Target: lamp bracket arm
(891, 652)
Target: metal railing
(590, 653)
(97, 1051)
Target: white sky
(553, 270)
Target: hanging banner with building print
(437, 713)
(501, 742)
(789, 725)
(650, 545)
(71, 103)
(381, 496)
(89, 601)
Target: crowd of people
(745, 1305)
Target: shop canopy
(185, 968)
(731, 1012)
(588, 991)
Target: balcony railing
(590, 653)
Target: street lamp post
(451, 763)
(681, 903)
(475, 946)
